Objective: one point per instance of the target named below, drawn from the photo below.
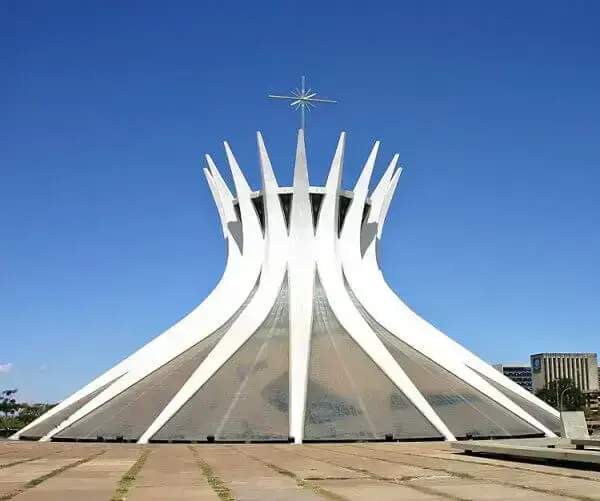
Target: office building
(581, 368)
(518, 372)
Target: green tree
(563, 392)
(30, 412)
(15, 414)
(8, 407)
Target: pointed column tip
(262, 148)
(268, 176)
(211, 164)
(341, 145)
(227, 148)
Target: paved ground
(375, 472)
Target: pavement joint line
(38, 480)
(328, 478)
(302, 483)
(217, 485)
(481, 479)
(21, 461)
(505, 466)
(128, 479)
(407, 478)
(5, 452)
(397, 480)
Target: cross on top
(303, 100)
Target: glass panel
(465, 410)
(260, 210)
(39, 430)
(316, 199)
(130, 413)
(366, 211)
(247, 399)
(344, 205)
(348, 395)
(238, 211)
(548, 420)
(286, 205)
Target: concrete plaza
(32, 471)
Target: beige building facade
(581, 368)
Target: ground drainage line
(303, 483)
(495, 465)
(480, 479)
(38, 480)
(217, 485)
(128, 479)
(393, 480)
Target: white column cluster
(300, 250)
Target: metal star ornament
(302, 99)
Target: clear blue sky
(108, 233)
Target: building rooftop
(574, 353)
